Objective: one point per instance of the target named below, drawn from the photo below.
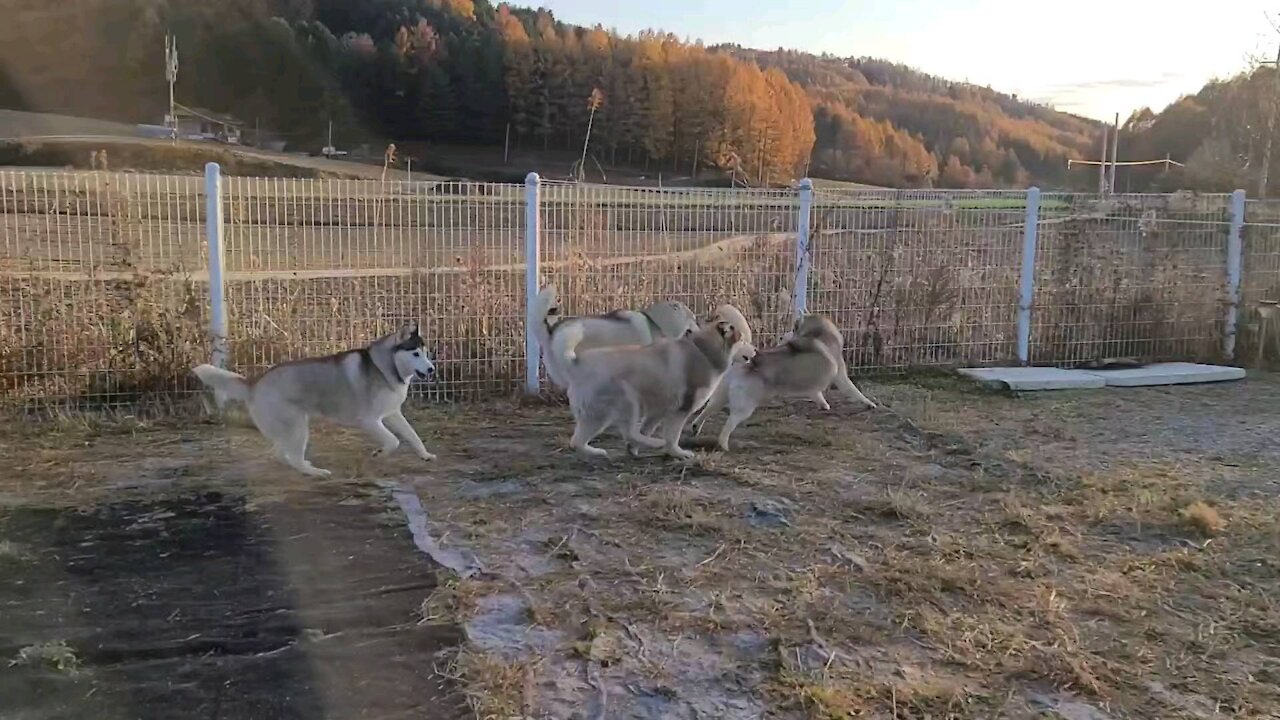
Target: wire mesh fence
(105, 280)
(918, 277)
(611, 247)
(1259, 338)
(1132, 276)
(320, 266)
(103, 286)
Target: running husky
(651, 423)
(659, 321)
(361, 388)
(666, 381)
(810, 359)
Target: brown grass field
(958, 554)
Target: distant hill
(18, 124)
(1220, 133)
(887, 123)
(466, 72)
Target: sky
(1090, 57)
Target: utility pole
(1102, 166)
(1115, 146)
(593, 104)
(171, 74)
(1271, 129)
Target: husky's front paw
(681, 454)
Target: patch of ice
(461, 561)
(501, 626)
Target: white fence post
(532, 231)
(217, 287)
(1027, 282)
(800, 292)
(1235, 253)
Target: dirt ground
(960, 553)
(146, 570)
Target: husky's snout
(429, 374)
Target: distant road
(17, 125)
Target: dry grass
(496, 688)
(127, 153)
(992, 559)
(1203, 518)
(55, 655)
(969, 591)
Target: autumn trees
(667, 104)
(887, 124)
(474, 73)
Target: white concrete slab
(1036, 378)
(1174, 373)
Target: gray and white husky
(363, 388)
(660, 321)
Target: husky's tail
(543, 306)
(567, 341)
(546, 315)
(226, 382)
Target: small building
(202, 124)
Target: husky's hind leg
(741, 406)
(289, 433)
(851, 391)
(714, 405)
(820, 399)
(590, 424)
(672, 426)
(633, 426)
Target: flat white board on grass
(1174, 373)
(1035, 378)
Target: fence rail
(106, 279)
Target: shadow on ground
(197, 602)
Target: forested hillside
(1220, 133)
(889, 124)
(467, 72)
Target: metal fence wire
(105, 278)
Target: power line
(1163, 161)
(1107, 183)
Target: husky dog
(742, 352)
(810, 359)
(622, 386)
(733, 316)
(661, 320)
(362, 388)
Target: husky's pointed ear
(409, 330)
